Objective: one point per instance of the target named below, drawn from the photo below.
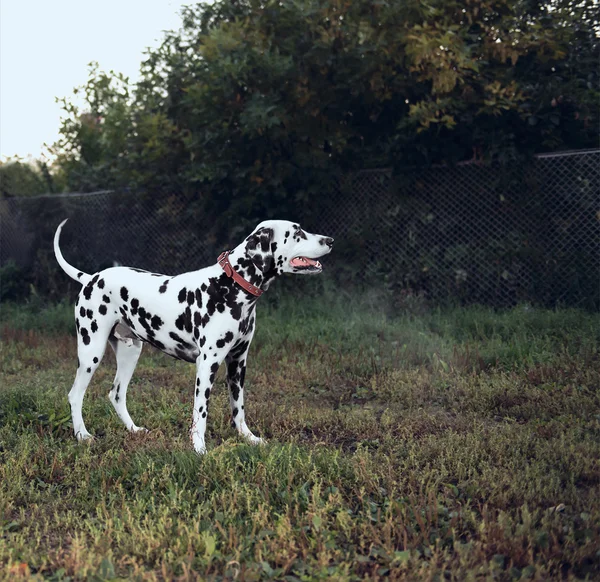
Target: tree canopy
(256, 104)
(22, 178)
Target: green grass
(422, 445)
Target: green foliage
(253, 108)
(13, 283)
(452, 444)
(19, 178)
(94, 139)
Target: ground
(404, 443)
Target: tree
(19, 178)
(94, 140)
(256, 107)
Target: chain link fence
(475, 233)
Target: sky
(45, 49)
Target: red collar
(246, 285)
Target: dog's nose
(328, 241)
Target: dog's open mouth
(306, 264)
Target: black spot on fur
(106, 298)
(82, 311)
(89, 370)
(180, 322)
(188, 320)
(182, 295)
(102, 310)
(225, 340)
(243, 327)
(101, 284)
(234, 380)
(124, 294)
(156, 344)
(239, 349)
(87, 290)
(234, 413)
(94, 326)
(236, 311)
(207, 393)
(156, 322)
(180, 340)
(90, 313)
(213, 371)
(232, 369)
(95, 360)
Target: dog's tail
(74, 273)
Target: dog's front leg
(236, 373)
(205, 376)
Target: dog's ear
(258, 248)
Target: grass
(456, 444)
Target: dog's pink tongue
(303, 262)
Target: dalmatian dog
(204, 317)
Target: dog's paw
(198, 444)
(254, 440)
(84, 436)
(138, 429)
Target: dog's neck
(243, 265)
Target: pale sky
(45, 49)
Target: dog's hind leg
(127, 355)
(90, 350)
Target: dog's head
(280, 246)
